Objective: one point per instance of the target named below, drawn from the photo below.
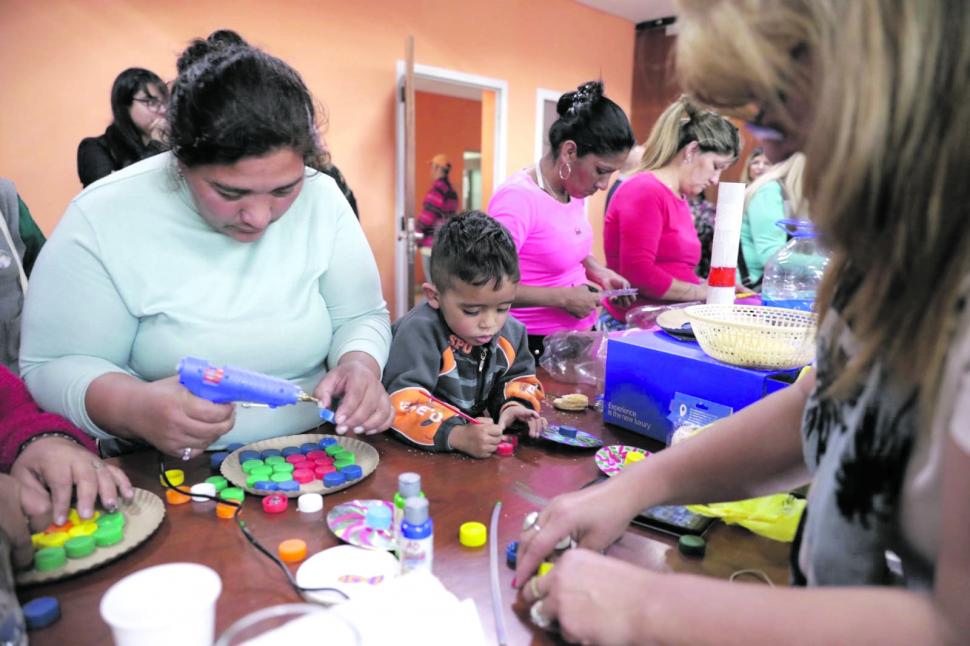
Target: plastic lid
(288, 485)
(263, 471)
(352, 471)
(49, 558)
(333, 479)
(219, 482)
(232, 493)
(292, 550)
(41, 612)
(472, 534)
(289, 450)
(83, 529)
(309, 503)
(115, 518)
(265, 485)
(568, 431)
(415, 510)
(275, 503)
(273, 460)
(216, 459)
(108, 535)
(690, 545)
(235, 446)
(309, 446)
(529, 520)
(79, 547)
(327, 441)
(378, 516)
(249, 465)
(270, 453)
(322, 470)
(545, 568)
(281, 476)
(175, 477)
(409, 484)
(201, 489)
(286, 467)
(302, 475)
(505, 449)
(245, 456)
(333, 449)
(512, 553)
(327, 415)
(54, 539)
(633, 456)
(225, 511)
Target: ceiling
(636, 11)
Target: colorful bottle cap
(41, 612)
(252, 480)
(333, 449)
(352, 471)
(505, 449)
(306, 465)
(249, 465)
(565, 543)
(341, 464)
(288, 485)
(545, 568)
(690, 545)
(200, 490)
(303, 476)
(319, 472)
(333, 479)
(265, 486)
(50, 558)
(35, 540)
(289, 450)
(275, 504)
(216, 460)
(176, 497)
(512, 554)
(511, 439)
(54, 539)
(281, 476)
(568, 431)
(85, 528)
(286, 467)
(529, 520)
(292, 550)
(235, 446)
(175, 477)
(293, 458)
(114, 519)
(79, 547)
(73, 516)
(59, 528)
(309, 503)
(472, 534)
(246, 456)
(233, 493)
(633, 456)
(327, 415)
(108, 535)
(316, 454)
(270, 453)
(309, 446)
(219, 482)
(327, 441)
(264, 471)
(378, 516)
(225, 511)
(273, 460)
(326, 459)
(348, 456)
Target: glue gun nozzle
(304, 397)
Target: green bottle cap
(114, 519)
(219, 481)
(80, 546)
(273, 460)
(286, 467)
(249, 465)
(108, 535)
(334, 449)
(281, 477)
(690, 545)
(263, 471)
(49, 558)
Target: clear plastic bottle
(793, 273)
(13, 630)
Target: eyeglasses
(151, 102)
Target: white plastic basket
(766, 338)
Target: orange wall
(59, 58)
(444, 124)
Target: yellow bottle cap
(175, 477)
(472, 534)
(54, 539)
(633, 456)
(544, 568)
(84, 528)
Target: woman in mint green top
(229, 249)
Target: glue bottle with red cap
(417, 536)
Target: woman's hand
(48, 471)
(595, 599)
(13, 522)
(579, 301)
(609, 279)
(364, 404)
(536, 423)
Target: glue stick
(417, 536)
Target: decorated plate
(352, 570)
(610, 459)
(348, 522)
(142, 515)
(571, 436)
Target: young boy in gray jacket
(460, 371)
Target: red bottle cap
(275, 504)
(504, 449)
(302, 475)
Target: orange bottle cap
(292, 550)
(225, 511)
(176, 497)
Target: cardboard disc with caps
(142, 516)
(610, 459)
(366, 457)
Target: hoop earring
(569, 171)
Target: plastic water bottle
(13, 630)
(793, 273)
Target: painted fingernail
(86, 512)
(60, 520)
(358, 429)
(513, 584)
(341, 429)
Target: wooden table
(459, 489)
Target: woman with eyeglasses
(874, 93)
(139, 101)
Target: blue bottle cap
(215, 460)
(327, 441)
(265, 485)
(288, 485)
(309, 446)
(567, 431)
(290, 450)
(248, 455)
(235, 446)
(327, 415)
(268, 453)
(352, 471)
(512, 554)
(333, 479)
(378, 516)
(41, 612)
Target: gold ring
(533, 583)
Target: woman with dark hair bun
(139, 100)
(543, 209)
(227, 248)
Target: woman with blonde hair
(755, 166)
(648, 231)
(776, 195)
(875, 94)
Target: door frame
(542, 95)
(452, 77)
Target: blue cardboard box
(654, 380)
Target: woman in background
(139, 100)
(755, 166)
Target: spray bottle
(417, 536)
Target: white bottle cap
(202, 489)
(309, 503)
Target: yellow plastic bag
(775, 517)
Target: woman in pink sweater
(543, 210)
(648, 231)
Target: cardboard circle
(610, 459)
(582, 440)
(366, 458)
(347, 522)
(143, 515)
(352, 570)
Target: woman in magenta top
(543, 209)
(648, 231)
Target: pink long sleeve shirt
(649, 238)
(552, 239)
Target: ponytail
(682, 123)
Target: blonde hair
(746, 172)
(887, 152)
(680, 124)
(787, 173)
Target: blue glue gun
(230, 384)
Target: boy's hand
(477, 440)
(537, 424)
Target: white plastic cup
(164, 605)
